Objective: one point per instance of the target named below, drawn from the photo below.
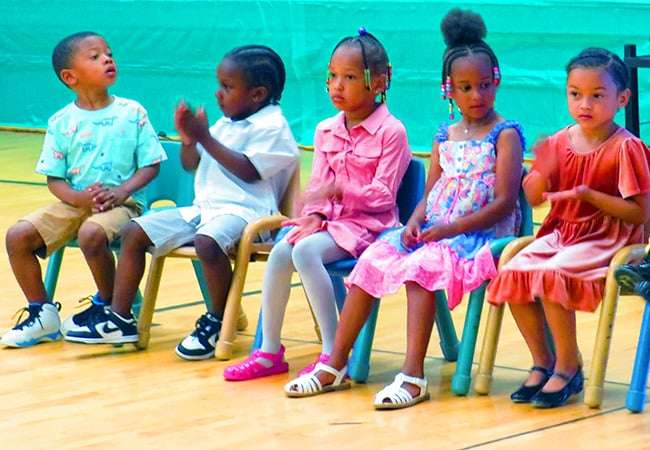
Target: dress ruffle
(513, 286)
(383, 269)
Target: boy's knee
(92, 238)
(22, 236)
(133, 237)
(207, 248)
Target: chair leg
(232, 312)
(359, 363)
(242, 320)
(463, 376)
(149, 301)
(52, 272)
(636, 394)
(483, 381)
(446, 329)
(594, 387)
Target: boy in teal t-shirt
(99, 151)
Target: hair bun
(462, 27)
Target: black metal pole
(632, 108)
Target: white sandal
(308, 384)
(398, 397)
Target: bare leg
(94, 245)
(530, 321)
(419, 322)
(130, 268)
(22, 241)
(562, 323)
(217, 272)
(356, 309)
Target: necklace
(467, 128)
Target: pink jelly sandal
(322, 358)
(250, 369)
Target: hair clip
(362, 31)
(496, 75)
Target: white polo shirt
(266, 139)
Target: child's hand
(437, 232)
(109, 198)
(181, 111)
(411, 234)
(303, 227)
(85, 197)
(332, 191)
(577, 193)
(195, 126)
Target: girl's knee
(281, 254)
(92, 238)
(207, 248)
(304, 257)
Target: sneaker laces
(205, 327)
(34, 311)
(91, 308)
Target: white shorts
(168, 230)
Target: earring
(451, 110)
(496, 75)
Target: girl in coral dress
(596, 176)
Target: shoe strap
(565, 376)
(275, 358)
(401, 378)
(544, 370)
(338, 374)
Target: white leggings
(308, 257)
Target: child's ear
(624, 97)
(259, 94)
(69, 77)
(379, 83)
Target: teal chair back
(172, 183)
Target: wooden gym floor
(68, 396)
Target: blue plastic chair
(172, 184)
(452, 350)
(636, 394)
(409, 194)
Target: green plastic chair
(172, 184)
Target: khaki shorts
(59, 223)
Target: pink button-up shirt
(368, 162)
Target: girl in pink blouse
(360, 157)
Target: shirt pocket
(363, 161)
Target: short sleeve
(148, 149)
(633, 169)
(53, 159)
(271, 150)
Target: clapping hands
(191, 126)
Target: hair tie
(362, 31)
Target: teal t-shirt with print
(107, 145)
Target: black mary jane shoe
(558, 398)
(525, 393)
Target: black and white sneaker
(105, 327)
(94, 305)
(200, 344)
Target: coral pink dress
(567, 263)
(458, 264)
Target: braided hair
(374, 55)
(600, 58)
(463, 32)
(261, 66)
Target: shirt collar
(258, 116)
(371, 124)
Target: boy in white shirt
(243, 165)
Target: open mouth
(111, 71)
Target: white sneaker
(42, 325)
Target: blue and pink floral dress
(458, 264)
